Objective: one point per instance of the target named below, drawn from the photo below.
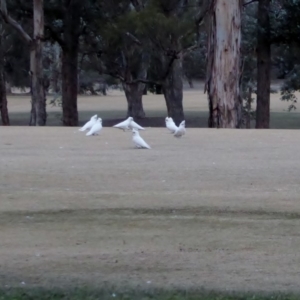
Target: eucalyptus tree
(35, 42)
(223, 72)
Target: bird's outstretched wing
(122, 125)
(135, 125)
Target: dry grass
(217, 209)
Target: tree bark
(173, 91)
(70, 62)
(69, 87)
(190, 82)
(248, 108)
(223, 68)
(158, 89)
(38, 111)
(32, 120)
(263, 65)
(8, 88)
(145, 91)
(134, 94)
(134, 91)
(3, 98)
(56, 69)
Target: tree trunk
(69, 87)
(158, 89)
(3, 98)
(190, 82)
(104, 87)
(134, 94)
(70, 62)
(248, 108)
(32, 120)
(223, 69)
(263, 65)
(8, 88)
(55, 70)
(38, 109)
(173, 91)
(145, 91)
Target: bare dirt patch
(216, 209)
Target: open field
(217, 209)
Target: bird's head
(135, 132)
(94, 117)
(130, 118)
(182, 124)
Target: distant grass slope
(112, 108)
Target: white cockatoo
(96, 128)
(89, 124)
(170, 124)
(124, 125)
(128, 124)
(134, 125)
(138, 140)
(181, 130)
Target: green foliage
(248, 57)
(117, 43)
(285, 34)
(16, 58)
(285, 22)
(290, 86)
(167, 28)
(194, 63)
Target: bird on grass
(180, 130)
(170, 124)
(96, 128)
(128, 124)
(138, 140)
(89, 124)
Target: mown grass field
(216, 210)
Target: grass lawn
(216, 209)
